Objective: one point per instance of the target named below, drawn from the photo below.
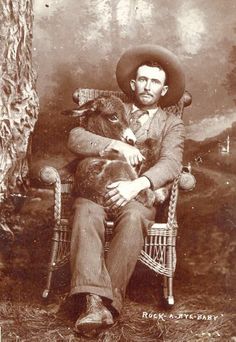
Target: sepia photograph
(117, 170)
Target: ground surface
(204, 281)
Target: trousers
(92, 271)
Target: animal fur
(94, 174)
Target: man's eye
(113, 118)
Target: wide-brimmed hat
(135, 56)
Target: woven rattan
(159, 251)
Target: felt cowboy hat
(135, 56)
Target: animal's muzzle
(129, 136)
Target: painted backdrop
(78, 43)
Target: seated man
(153, 77)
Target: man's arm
(165, 170)
(88, 144)
(169, 164)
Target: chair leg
(168, 281)
(168, 290)
(52, 263)
(48, 285)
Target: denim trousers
(92, 271)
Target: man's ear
(132, 84)
(164, 90)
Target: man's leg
(89, 272)
(131, 226)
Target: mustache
(146, 93)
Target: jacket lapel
(157, 124)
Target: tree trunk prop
(18, 98)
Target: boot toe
(93, 322)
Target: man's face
(149, 86)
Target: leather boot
(96, 316)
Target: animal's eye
(113, 118)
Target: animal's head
(106, 116)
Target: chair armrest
(187, 181)
(171, 221)
(48, 175)
(187, 98)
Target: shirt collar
(150, 112)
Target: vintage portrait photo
(117, 170)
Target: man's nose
(148, 85)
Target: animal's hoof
(161, 195)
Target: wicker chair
(159, 252)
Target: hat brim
(135, 56)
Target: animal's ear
(90, 105)
(97, 104)
(74, 112)
(101, 100)
(82, 110)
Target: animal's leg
(146, 197)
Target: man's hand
(120, 193)
(132, 154)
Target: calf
(105, 116)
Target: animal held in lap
(105, 116)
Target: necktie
(138, 118)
